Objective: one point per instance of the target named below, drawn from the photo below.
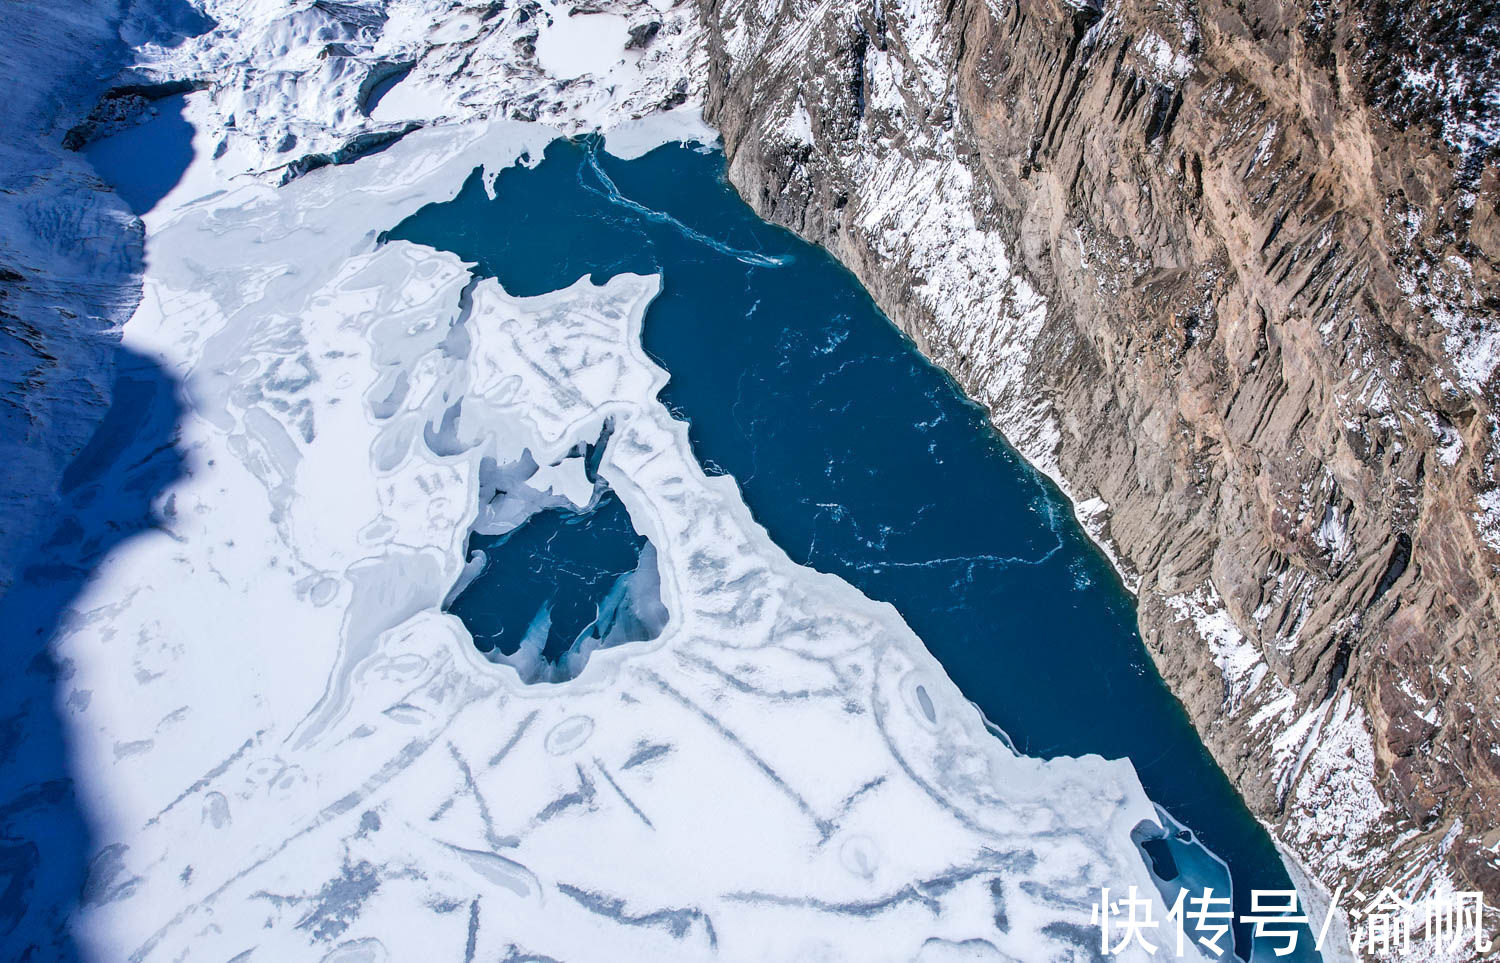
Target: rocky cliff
(1226, 271)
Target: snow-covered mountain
(1242, 311)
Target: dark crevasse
(862, 459)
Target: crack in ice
(612, 194)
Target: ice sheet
(634, 138)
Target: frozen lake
(858, 456)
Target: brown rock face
(1234, 282)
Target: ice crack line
(971, 560)
(612, 194)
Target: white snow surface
(292, 79)
(289, 748)
(798, 126)
(635, 138)
(576, 44)
(1239, 662)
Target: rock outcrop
(1226, 270)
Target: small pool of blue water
(561, 575)
(861, 459)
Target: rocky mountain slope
(1226, 270)
(69, 251)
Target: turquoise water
(862, 459)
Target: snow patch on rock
(1240, 662)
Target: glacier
(287, 746)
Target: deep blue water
(861, 459)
